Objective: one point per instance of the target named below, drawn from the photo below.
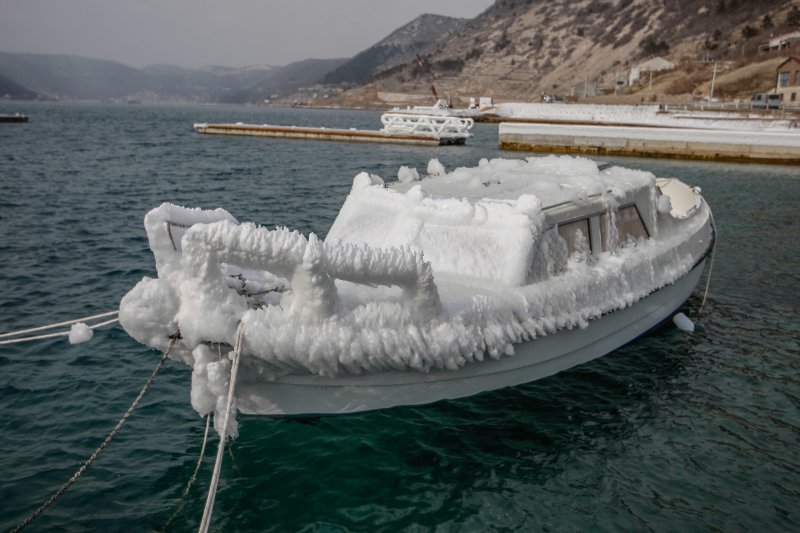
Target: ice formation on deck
(431, 274)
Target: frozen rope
(65, 323)
(710, 264)
(51, 326)
(105, 443)
(52, 335)
(182, 500)
(223, 435)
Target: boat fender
(683, 322)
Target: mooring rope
(223, 435)
(710, 264)
(65, 323)
(105, 443)
(182, 500)
(58, 324)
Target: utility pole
(713, 79)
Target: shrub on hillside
(652, 47)
(687, 84)
(793, 18)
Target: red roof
(795, 58)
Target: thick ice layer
(553, 179)
(642, 115)
(457, 236)
(80, 333)
(408, 279)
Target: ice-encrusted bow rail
(310, 264)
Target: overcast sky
(194, 33)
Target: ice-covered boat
(423, 289)
(441, 108)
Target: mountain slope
(74, 77)
(283, 79)
(71, 76)
(521, 48)
(419, 36)
(11, 89)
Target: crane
(423, 65)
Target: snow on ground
(771, 138)
(642, 115)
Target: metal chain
(105, 443)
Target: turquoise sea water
(675, 432)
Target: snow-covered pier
(433, 131)
(746, 146)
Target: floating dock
(672, 143)
(16, 117)
(398, 129)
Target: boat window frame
(605, 230)
(593, 235)
(587, 233)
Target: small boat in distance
(440, 108)
(431, 287)
(16, 117)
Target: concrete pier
(321, 134)
(676, 143)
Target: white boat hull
(533, 360)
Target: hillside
(80, 78)
(63, 76)
(420, 36)
(13, 90)
(520, 49)
(284, 79)
(515, 50)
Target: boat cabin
(506, 225)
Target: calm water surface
(675, 432)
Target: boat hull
(533, 360)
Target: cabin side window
(618, 228)
(577, 235)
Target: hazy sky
(193, 33)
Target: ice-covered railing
(438, 126)
(310, 264)
(201, 303)
(166, 225)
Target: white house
(779, 42)
(651, 65)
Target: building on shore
(788, 82)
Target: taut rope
(223, 435)
(105, 443)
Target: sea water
(676, 431)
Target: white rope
(51, 326)
(182, 500)
(710, 264)
(102, 447)
(223, 435)
(51, 335)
